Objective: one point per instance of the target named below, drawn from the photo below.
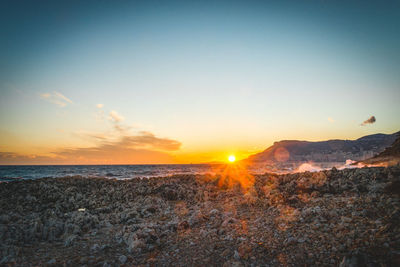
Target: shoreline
(319, 218)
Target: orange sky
(134, 83)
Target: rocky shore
(330, 218)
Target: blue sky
(217, 77)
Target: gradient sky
(178, 82)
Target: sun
(232, 158)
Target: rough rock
(329, 218)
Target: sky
(149, 82)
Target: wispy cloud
(149, 140)
(141, 140)
(371, 120)
(56, 98)
(331, 120)
(115, 117)
(117, 146)
(16, 158)
(142, 148)
(99, 105)
(91, 136)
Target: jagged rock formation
(303, 219)
(292, 153)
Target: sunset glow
(136, 83)
(199, 133)
(230, 175)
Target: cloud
(331, 120)
(121, 128)
(115, 117)
(142, 140)
(148, 139)
(15, 158)
(371, 120)
(113, 154)
(99, 105)
(56, 98)
(117, 146)
(141, 148)
(91, 136)
(133, 149)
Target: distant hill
(289, 154)
(391, 155)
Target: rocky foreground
(346, 218)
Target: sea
(12, 173)
(121, 172)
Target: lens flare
(230, 175)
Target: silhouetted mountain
(391, 155)
(393, 150)
(291, 153)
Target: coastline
(330, 217)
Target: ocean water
(10, 173)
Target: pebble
(122, 259)
(236, 255)
(52, 261)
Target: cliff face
(393, 150)
(291, 153)
(390, 156)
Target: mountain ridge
(289, 154)
(389, 156)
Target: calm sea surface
(9, 173)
